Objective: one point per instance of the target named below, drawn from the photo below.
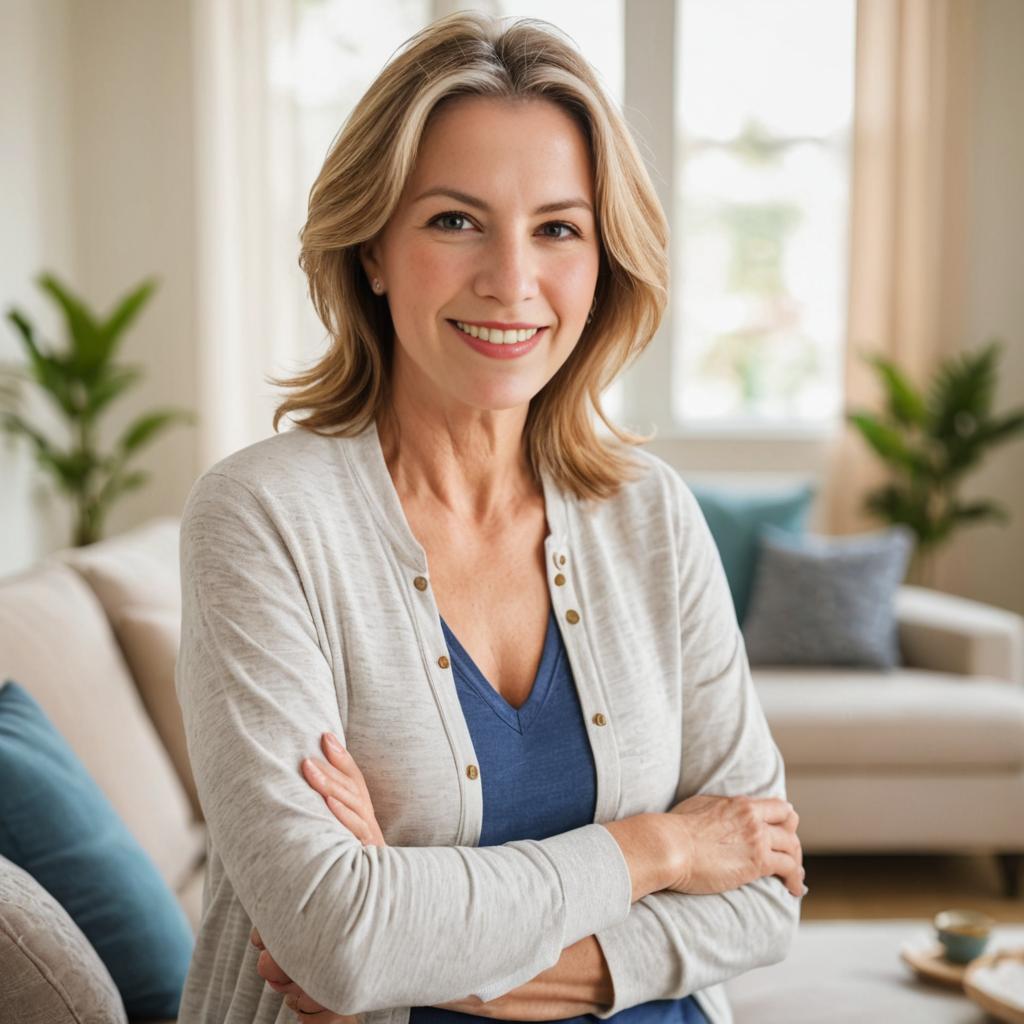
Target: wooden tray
(989, 1001)
(927, 958)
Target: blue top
(538, 778)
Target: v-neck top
(307, 606)
(538, 781)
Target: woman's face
(491, 255)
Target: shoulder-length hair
(360, 185)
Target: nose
(508, 270)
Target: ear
(368, 256)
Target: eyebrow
(462, 197)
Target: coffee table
(841, 972)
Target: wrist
(646, 841)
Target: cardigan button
(420, 583)
(559, 580)
(599, 719)
(472, 771)
(443, 661)
(572, 615)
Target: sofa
(929, 757)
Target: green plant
(930, 440)
(81, 382)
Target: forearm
(578, 984)
(646, 841)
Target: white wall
(36, 211)
(97, 184)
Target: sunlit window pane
(765, 100)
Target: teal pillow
(56, 824)
(735, 518)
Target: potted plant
(930, 440)
(81, 382)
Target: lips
(499, 351)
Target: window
(764, 106)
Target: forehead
(499, 148)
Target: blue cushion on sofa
(57, 825)
(735, 518)
(822, 600)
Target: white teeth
(496, 337)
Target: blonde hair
(362, 180)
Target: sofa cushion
(138, 567)
(56, 823)
(910, 718)
(51, 974)
(820, 600)
(735, 517)
(57, 643)
(150, 638)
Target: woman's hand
(340, 782)
(295, 998)
(730, 841)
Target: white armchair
(927, 757)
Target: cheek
(577, 279)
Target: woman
(520, 633)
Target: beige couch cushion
(830, 717)
(49, 972)
(58, 644)
(135, 568)
(150, 638)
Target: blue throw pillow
(735, 518)
(57, 825)
(827, 600)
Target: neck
(471, 465)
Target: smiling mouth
(494, 336)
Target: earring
(593, 308)
(376, 284)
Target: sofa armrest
(946, 633)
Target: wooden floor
(881, 886)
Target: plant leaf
(85, 332)
(147, 426)
(904, 403)
(120, 483)
(112, 381)
(127, 310)
(962, 390)
(977, 510)
(886, 441)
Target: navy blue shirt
(538, 780)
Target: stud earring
(376, 284)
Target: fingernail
(806, 891)
(332, 742)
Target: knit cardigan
(307, 607)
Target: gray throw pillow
(827, 600)
(50, 973)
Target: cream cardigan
(307, 607)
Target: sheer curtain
(275, 80)
(909, 210)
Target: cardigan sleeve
(348, 923)
(672, 944)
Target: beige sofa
(928, 757)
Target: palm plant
(81, 382)
(930, 440)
